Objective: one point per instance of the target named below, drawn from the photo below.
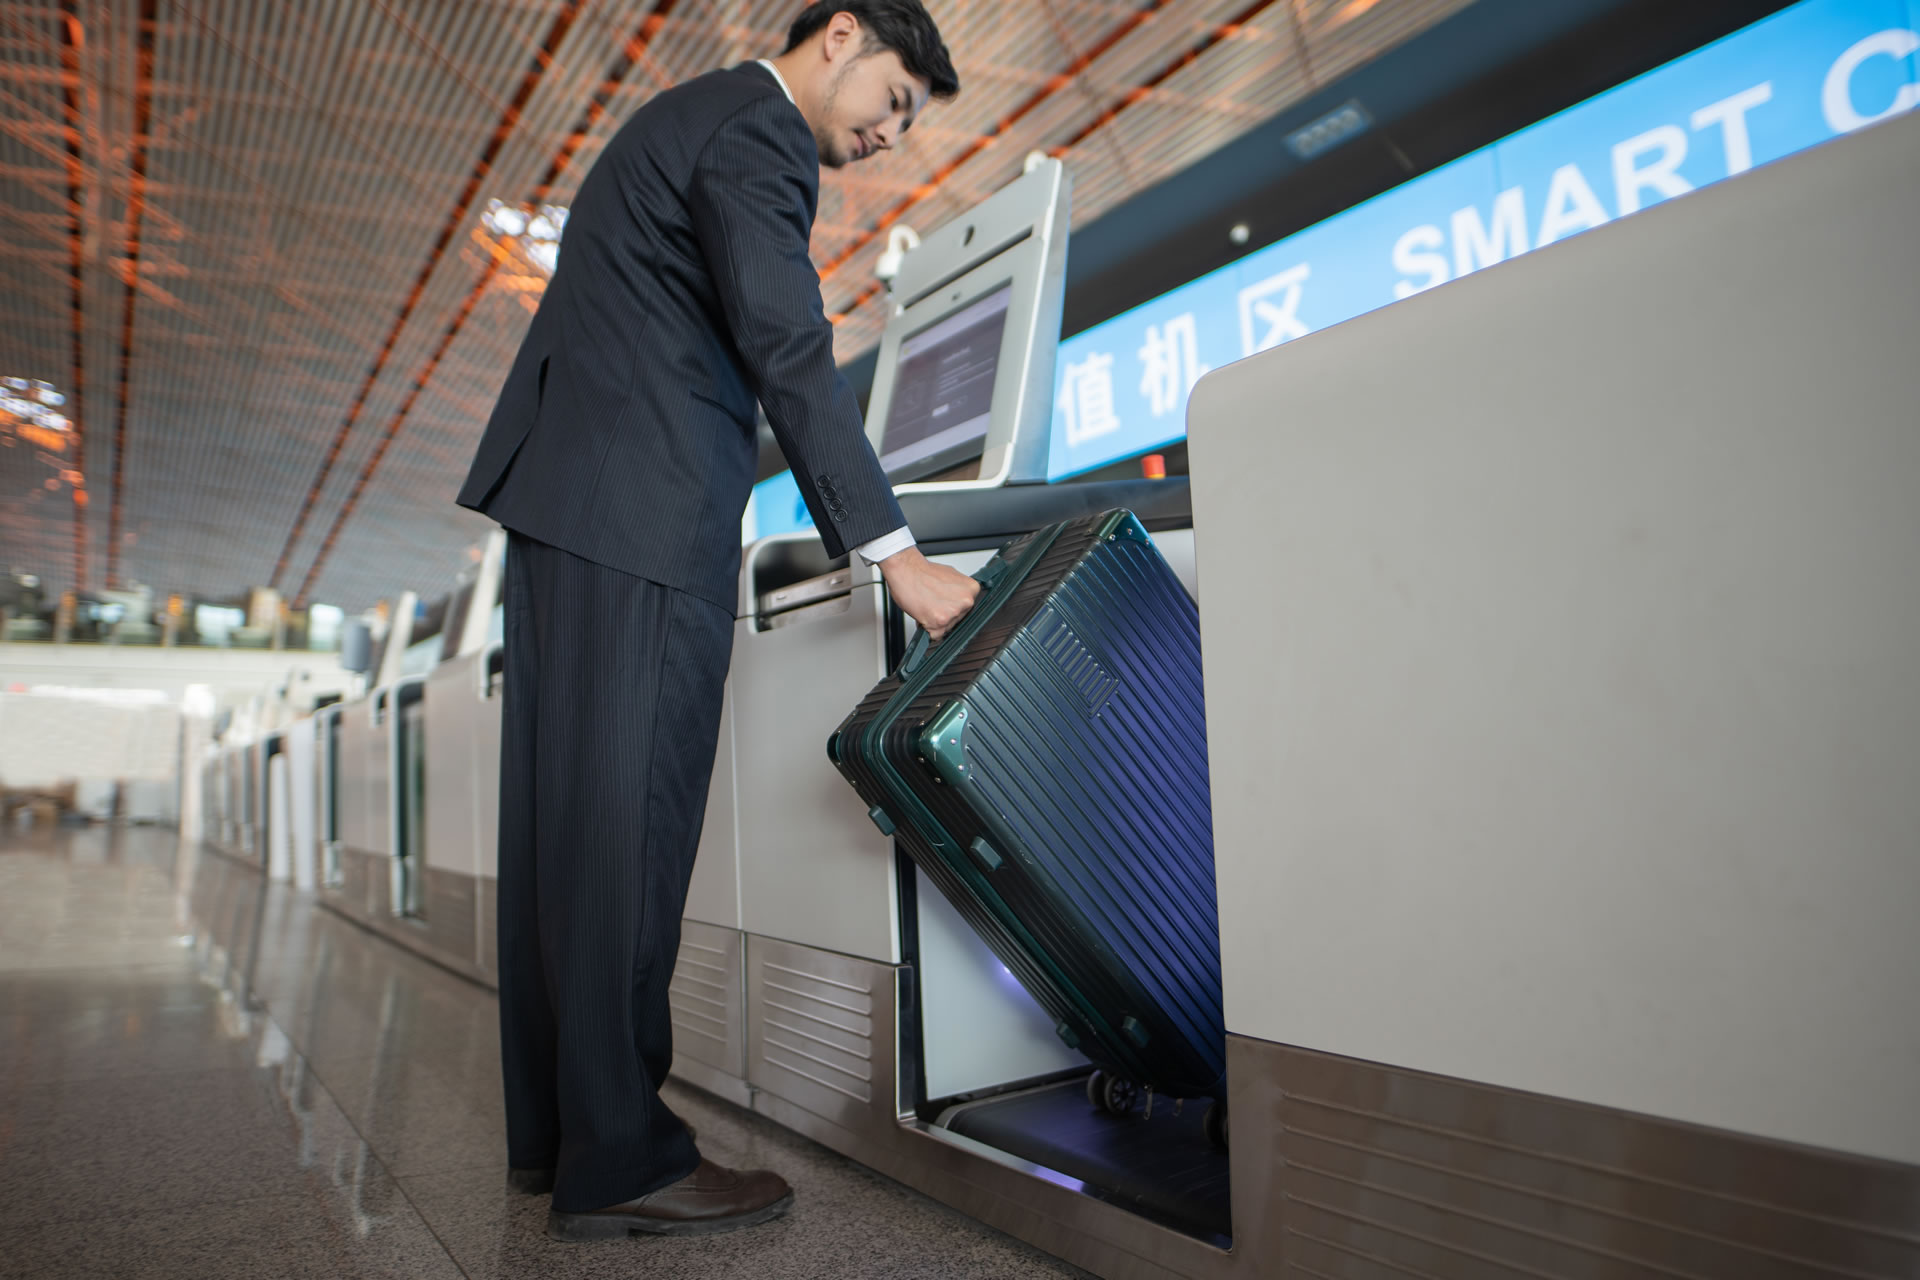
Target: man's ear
(842, 37)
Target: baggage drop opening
(1018, 1090)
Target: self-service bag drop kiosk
(461, 804)
(785, 856)
(823, 978)
(378, 788)
(406, 781)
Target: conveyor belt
(1163, 1169)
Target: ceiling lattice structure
(244, 237)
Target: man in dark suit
(620, 457)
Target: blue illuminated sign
(1808, 74)
(775, 507)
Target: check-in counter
(230, 807)
(362, 789)
(381, 744)
(486, 782)
(813, 870)
(846, 956)
(300, 741)
(460, 713)
(1563, 720)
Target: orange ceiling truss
(593, 115)
(1213, 34)
(136, 211)
(462, 209)
(291, 187)
(72, 40)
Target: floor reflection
(205, 1074)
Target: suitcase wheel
(1215, 1124)
(1112, 1094)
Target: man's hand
(934, 595)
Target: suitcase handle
(916, 652)
(988, 577)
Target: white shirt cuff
(885, 545)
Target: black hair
(903, 26)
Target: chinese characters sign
(1810, 73)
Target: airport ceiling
(245, 240)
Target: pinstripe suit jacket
(625, 431)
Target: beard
(835, 151)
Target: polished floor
(202, 1075)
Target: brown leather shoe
(708, 1200)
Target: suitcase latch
(985, 854)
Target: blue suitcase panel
(1046, 766)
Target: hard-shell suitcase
(1045, 765)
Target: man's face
(871, 100)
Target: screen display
(943, 387)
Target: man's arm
(752, 201)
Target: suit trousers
(611, 716)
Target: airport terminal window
(943, 389)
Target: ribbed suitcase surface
(1046, 766)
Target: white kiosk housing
(821, 981)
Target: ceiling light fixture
(30, 413)
(33, 402)
(533, 232)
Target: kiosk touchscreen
(943, 390)
(963, 389)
